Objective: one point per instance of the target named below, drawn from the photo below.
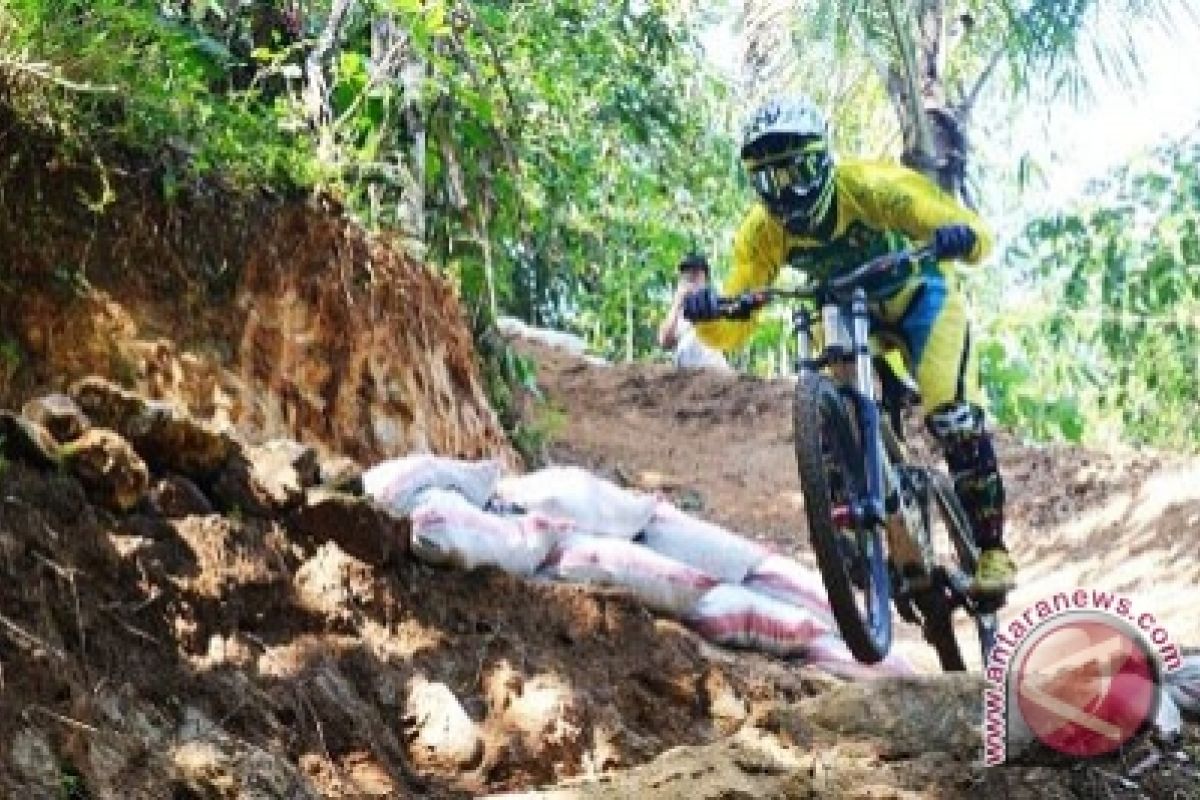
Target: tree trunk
(934, 132)
(316, 88)
(396, 63)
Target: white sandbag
(1183, 685)
(448, 530)
(737, 617)
(596, 506)
(701, 544)
(397, 482)
(831, 654)
(661, 583)
(790, 581)
(510, 326)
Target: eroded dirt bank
(273, 316)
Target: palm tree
(934, 58)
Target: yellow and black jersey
(880, 208)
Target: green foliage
(532, 436)
(10, 351)
(107, 72)
(590, 134)
(1106, 342)
(510, 380)
(71, 282)
(72, 785)
(11, 358)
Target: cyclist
(821, 217)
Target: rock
(357, 525)
(334, 584)
(286, 460)
(104, 402)
(145, 526)
(215, 764)
(343, 474)
(33, 759)
(267, 479)
(59, 414)
(441, 736)
(167, 438)
(174, 496)
(907, 716)
(727, 709)
(242, 489)
(109, 469)
(171, 440)
(544, 723)
(24, 440)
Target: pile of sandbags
(569, 342)
(566, 524)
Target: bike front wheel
(832, 465)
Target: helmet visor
(795, 174)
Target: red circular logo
(1086, 684)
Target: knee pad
(955, 421)
(958, 428)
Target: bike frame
(846, 347)
(890, 501)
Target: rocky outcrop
(109, 468)
(275, 318)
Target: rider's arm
(668, 332)
(895, 197)
(758, 253)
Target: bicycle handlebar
(743, 304)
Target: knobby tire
(820, 409)
(961, 537)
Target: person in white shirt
(677, 333)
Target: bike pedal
(988, 602)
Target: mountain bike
(885, 528)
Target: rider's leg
(967, 445)
(933, 318)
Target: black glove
(701, 305)
(953, 241)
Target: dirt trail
(185, 615)
(1121, 520)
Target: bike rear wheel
(832, 467)
(958, 552)
(937, 625)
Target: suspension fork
(868, 410)
(860, 387)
